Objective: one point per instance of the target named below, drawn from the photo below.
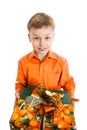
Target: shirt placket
(41, 73)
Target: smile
(42, 49)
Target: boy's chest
(47, 74)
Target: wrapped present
(39, 109)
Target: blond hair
(40, 20)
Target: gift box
(40, 109)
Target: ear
(53, 35)
(29, 37)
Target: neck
(41, 57)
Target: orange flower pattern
(56, 116)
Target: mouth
(42, 49)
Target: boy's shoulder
(58, 57)
(25, 57)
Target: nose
(41, 42)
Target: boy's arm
(67, 81)
(20, 79)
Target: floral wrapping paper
(41, 109)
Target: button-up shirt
(52, 73)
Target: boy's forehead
(41, 31)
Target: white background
(70, 41)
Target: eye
(47, 38)
(36, 38)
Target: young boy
(42, 66)
(46, 68)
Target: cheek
(49, 45)
(34, 45)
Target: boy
(42, 66)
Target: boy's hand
(17, 94)
(74, 100)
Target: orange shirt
(52, 73)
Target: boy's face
(41, 40)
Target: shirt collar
(50, 54)
(32, 54)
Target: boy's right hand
(17, 94)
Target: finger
(75, 99)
